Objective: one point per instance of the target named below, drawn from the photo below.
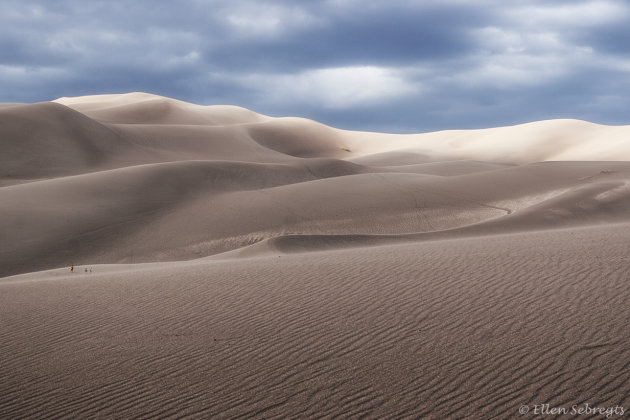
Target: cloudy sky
(396, 65)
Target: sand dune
(143, 108)
(249, 266)
(553, 140)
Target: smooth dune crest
(563, 139)
(138, 107)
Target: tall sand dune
(228, 264)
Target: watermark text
(574, 410)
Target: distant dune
(229, 264)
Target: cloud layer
(395, 66)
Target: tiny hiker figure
(72, 268)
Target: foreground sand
(286, 269)
(440, 329)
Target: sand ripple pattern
(468, 328)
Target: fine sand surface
(240, 265)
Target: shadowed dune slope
(47, 140)
(191, 209)
(93, 216)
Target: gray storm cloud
(395, 66)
